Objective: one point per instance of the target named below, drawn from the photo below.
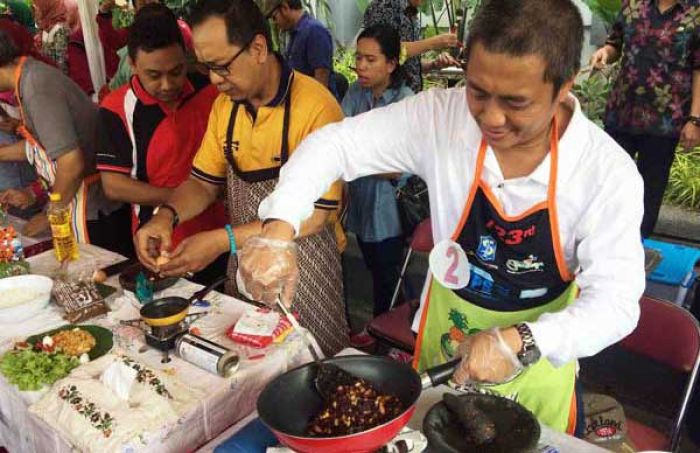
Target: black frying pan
(290, 401)
(171, 310)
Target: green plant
(344, 63)
(606, 10)
(122, 17)
(592, 91)
(684, 180)
(362, 5)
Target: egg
(99, 276)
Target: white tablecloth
(228, 400)
(429, 397)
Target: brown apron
(319, 296)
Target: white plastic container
(23, 296)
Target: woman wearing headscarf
(52, 20)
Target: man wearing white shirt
(544, 204)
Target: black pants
(654, 159)
(384, 262)
(113, 232)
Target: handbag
(413, 203)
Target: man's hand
(268, 270)
(445, 41)
(36, 225)
(489, 357)
(690, 136)
(444, 60)
(8, 124)
(158, 231)
(601, 57)
(195, 253)
(18, 198)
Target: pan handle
(440, 374)
(199, 295)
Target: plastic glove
(486, 358)
(268, 270)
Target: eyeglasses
(271, 13)
(223, 70)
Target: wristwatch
(176, 218)
(694, 120)
(529, 353)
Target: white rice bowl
(23, 296)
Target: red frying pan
(290, 401)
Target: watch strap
(176, 217)
(529, 352)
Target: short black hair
(243, 18)
(389, 42)
(294, 4)
(551, 29)
(8, 49)
(155, 27)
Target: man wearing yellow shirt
(264, 111)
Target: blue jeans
(255, 437)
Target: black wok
(171, 310)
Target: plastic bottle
(64, 244)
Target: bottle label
(61, 230)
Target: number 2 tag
(449, 264)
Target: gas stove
(163, 338)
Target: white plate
(23, 296)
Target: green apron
(517, 274)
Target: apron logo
(533, 293)
(529, 264)
(457, 333)
(487, 249)
(512, 237)
(481, 282)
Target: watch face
(529, 356)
